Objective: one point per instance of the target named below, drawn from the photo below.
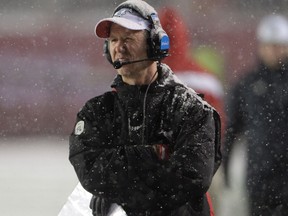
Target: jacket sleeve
(91, 151)
(187, 175)
(101, 164)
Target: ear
(160, 43)
(107, 51)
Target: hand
(162, 151)
(99, 206)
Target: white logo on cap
(123, 11)
(79, 128)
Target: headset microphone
(118, 64)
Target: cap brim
(102, 28)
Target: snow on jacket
(257, 110)
(111, 148)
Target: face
(128, 45)
(273, 55)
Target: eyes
(126, 40)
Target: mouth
(122, 59)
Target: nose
(120, 47)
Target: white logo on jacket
(79, 128)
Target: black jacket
(258, 110)
(111, 147)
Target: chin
(125, 70)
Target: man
(257, 111)
(150, 146)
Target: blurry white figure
(78, 202)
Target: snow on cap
(273, 29)
(125, 17)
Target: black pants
(257, 209)
(267, 197)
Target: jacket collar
(165, 78)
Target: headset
(158, 39)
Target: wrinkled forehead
(118, 29)
(122, 32)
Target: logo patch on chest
(79, 128)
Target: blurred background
(51, 64)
